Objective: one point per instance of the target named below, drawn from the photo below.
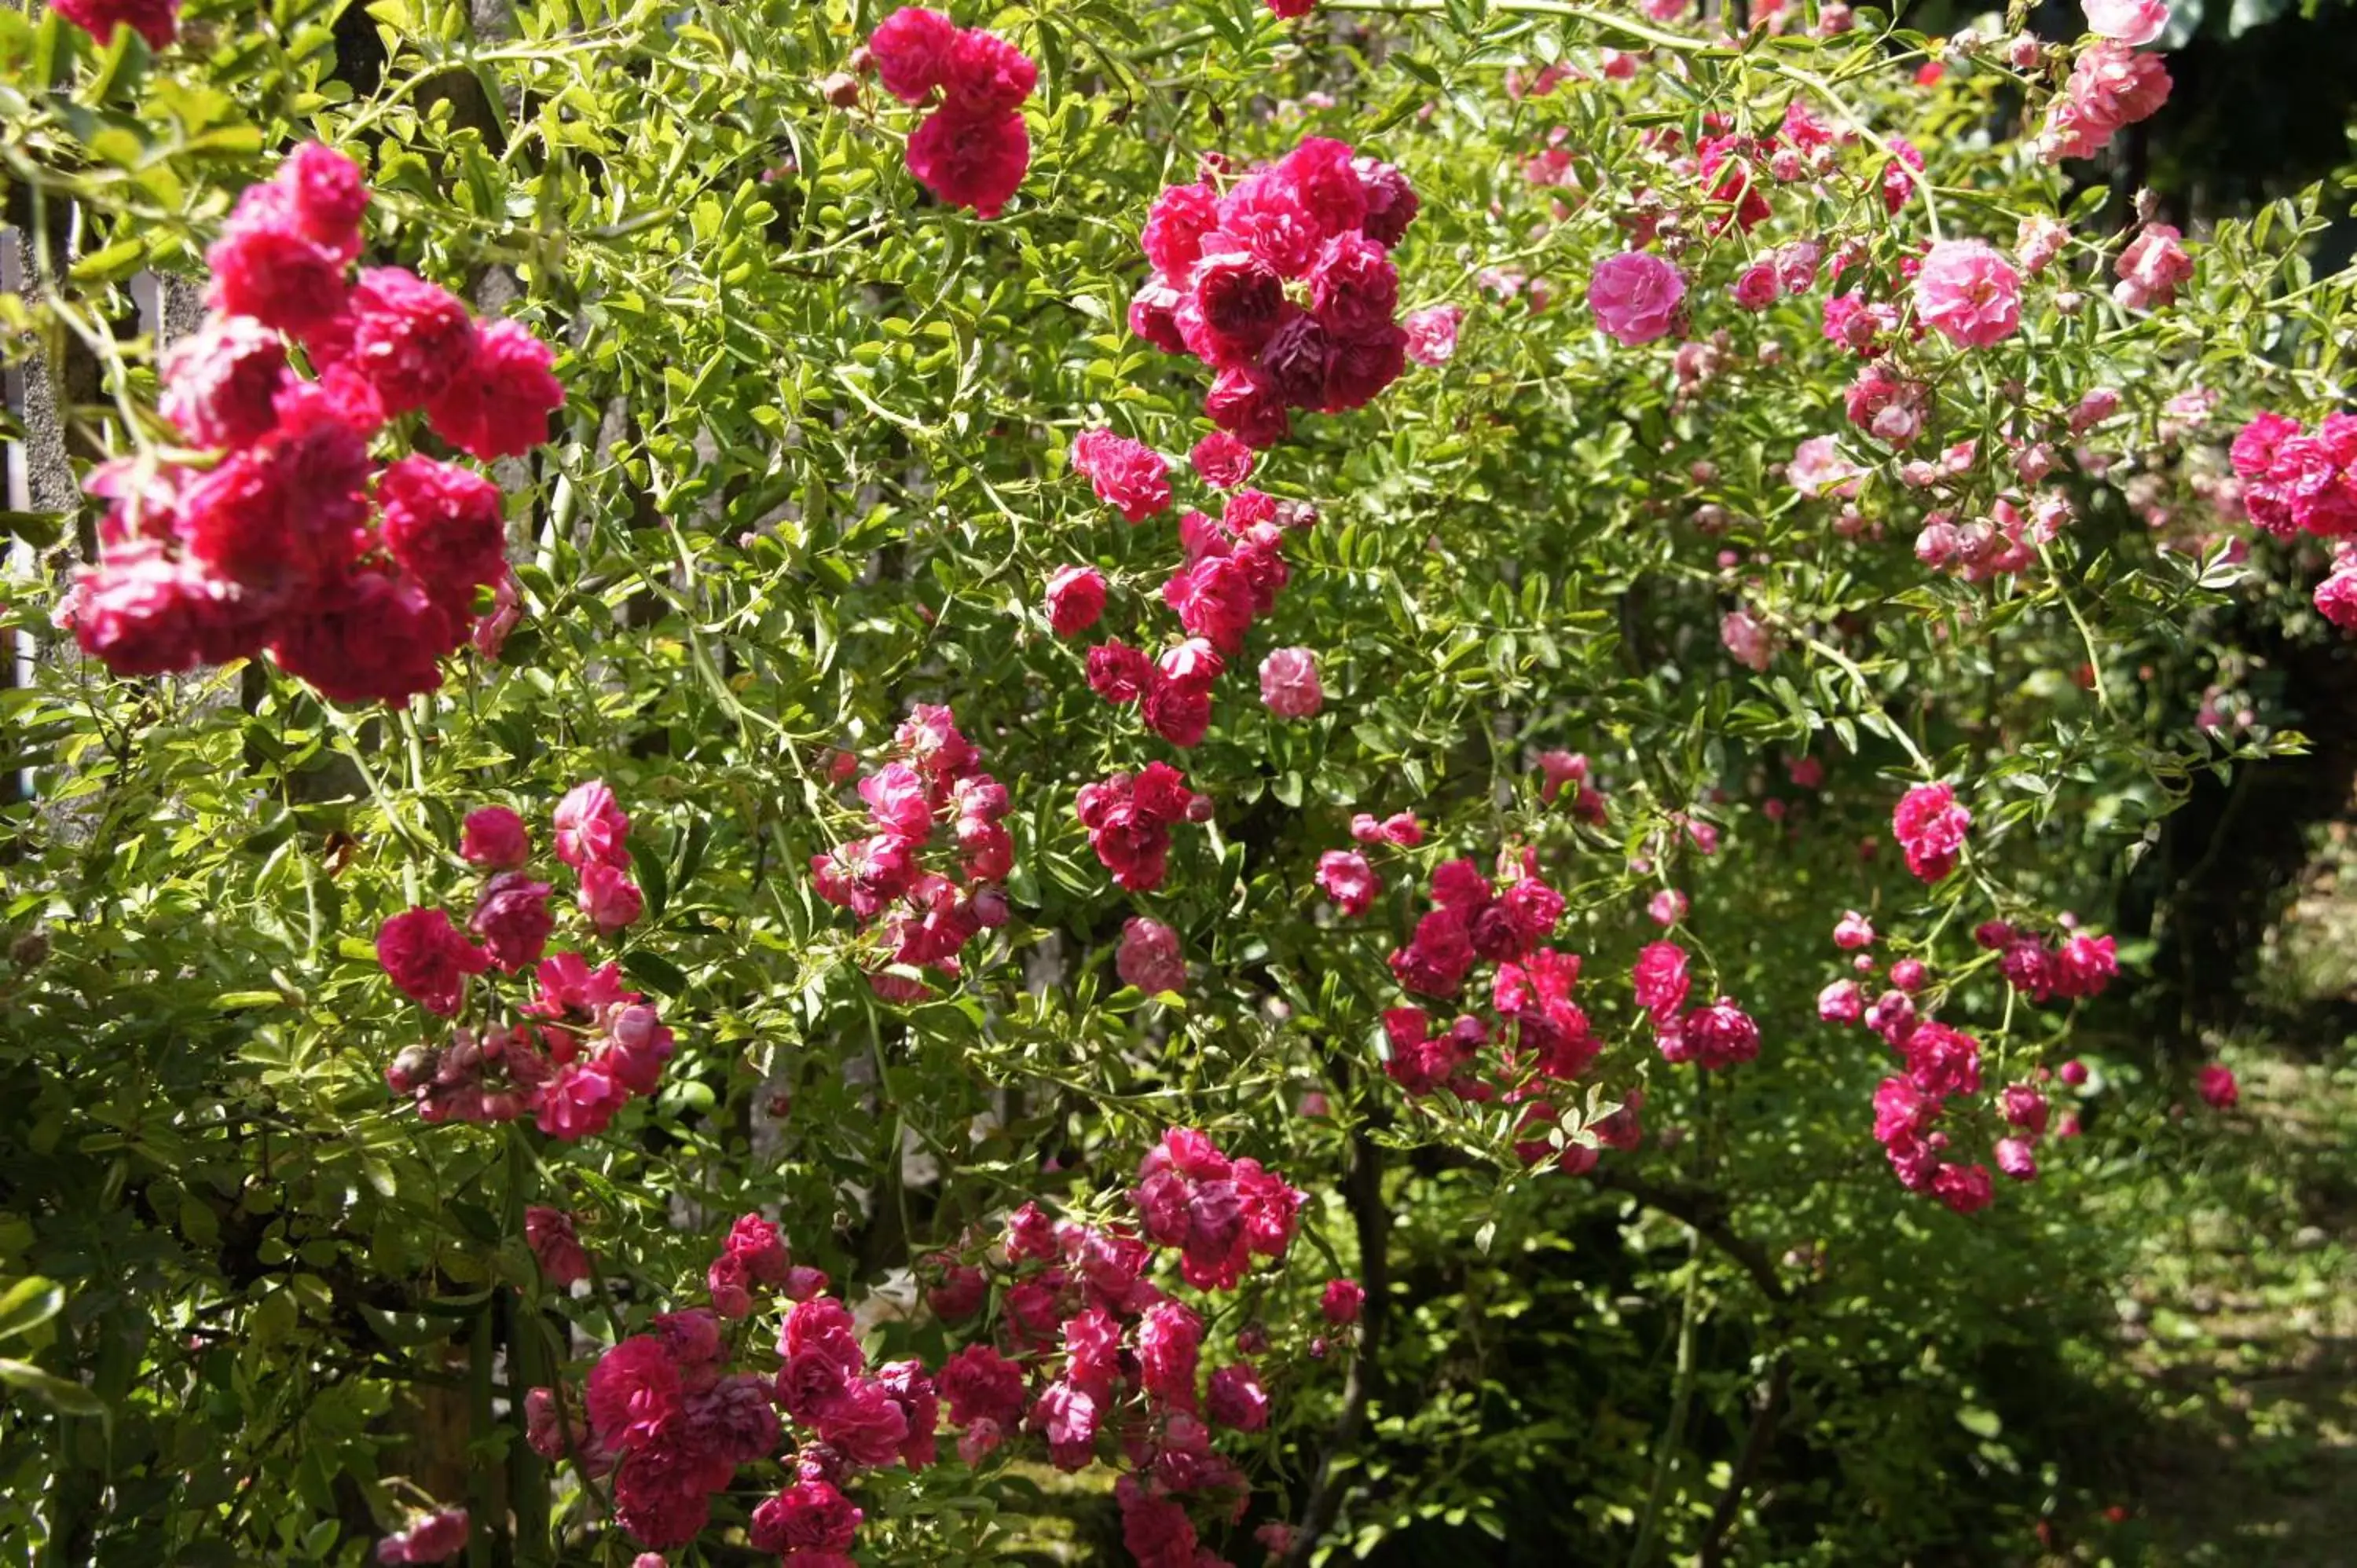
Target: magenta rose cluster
(594, 1044)
(359, 576)
(969, 148)
(934, 778)
(1088, 1359)
(1281, 281)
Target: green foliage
(815, 468)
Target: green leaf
(28, 1303)
(65, 1397)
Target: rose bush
(1729, 532)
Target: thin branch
(1363, 1190)
(1746, 1464)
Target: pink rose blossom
(1969, 294)
(2134, 23)
(1432, 335)
(1635, 297)
(1150, 957)
(2151, 268)
(1076, 600)
(1288, 683)
(1348, 879)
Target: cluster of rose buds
(1151, 957)
(935, 778)
(1941, 1063)
(1542, 1036)
(1471, 920)
(1283, 284)
(595, 1046)
(1129, 821)
(670, 1421)
(2111, 85)
(2152, 266)
(1347, 876)
(1720, 1034)
(1944, 1063)
(438, 1537)
(1235, 567)
(1090, 1349)
(2296, 481)
(970, 150)
(2005, 542)
(2079, 966)
(429, 960)
(357, 578)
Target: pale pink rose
(1635, 297)
(1969, 293)
(2132, 21)
(1664, 10)
(1747, 639)
(1288, 683)
(1432, 335)
(1818, 468)
(2040, 239)
(2151, 268)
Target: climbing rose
(1432, 335)
(1349, 880)
(1969, 294)
(2132, 21)
(1751, 643)
(1234, 1398)
(1150, 957)
(428, 960)
(373, 637)
(1719, 1035)
(1635, 297)
(1931, 826)
(609, 897)
(1660, 979)
(912, 48)
(1129, 476)
(809, 1522)
(2151, 267)
(2218, 1088)
(409, 337)
(555, 1247)
(1965, 1188)
(1076, 599)
(2111, 85)
(495, 837)
(1288, 683)
(2336, 596)
(513, 921)
(1222, 461)
(590, 827)
(988, 75)
(221, 385)
(157, 21)
(969, 159)
(444, 525)
(437, 1538)
(498, 407)
(1342, 1301)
